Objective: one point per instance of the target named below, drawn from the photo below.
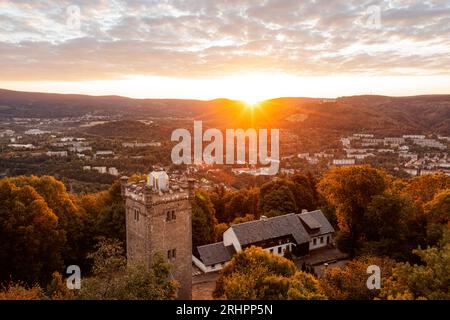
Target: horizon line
(221, 98)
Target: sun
(251, 104)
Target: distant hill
(425, 114)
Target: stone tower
(159, 219)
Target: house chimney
(304, 211)
(263, 218)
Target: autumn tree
(422, 189)
(20, 291)
(350, 282)
(64, 205)
(255, 274)
(30, 236)
(350, 190)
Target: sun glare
(251, 103)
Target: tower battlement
(142, 191)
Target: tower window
(171, 254)
(136, 214)
(170, 215)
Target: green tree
(218, 198)
(112, 279)
(385, 226)
(276, 198)
(241, 203)
(304, 192)
(203, 220)
(428, 280)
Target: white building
(363, 135)
(343, 162)
(21, 146)
(99, 169)
(80, 149)
(141, 144)
(6, 133)
(113, 171)
(430, 143)
(298, 233)
(35, 132)
(414, 136)
(104, 153)
(57, 153)
(393, 140)
(412, 172)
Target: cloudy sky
(242, 49)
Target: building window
(314, 241)
(213, 266)
(136, 214)
(328, 239)
(321, 239)
(279, 249)
(271, 250)
(171, 254)
(170, 215)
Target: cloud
(204, 38)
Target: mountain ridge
(421, 113)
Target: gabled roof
(314, 218)
(260, 230)
(215, 253)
